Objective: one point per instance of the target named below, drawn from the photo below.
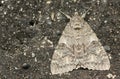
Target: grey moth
(78, 47)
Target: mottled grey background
(30, 30)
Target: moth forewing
(78, 46)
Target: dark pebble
(25, 66)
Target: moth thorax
(77, 25)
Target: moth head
(77, 22)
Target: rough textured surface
(30, 30)
(78, 47)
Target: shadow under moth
(78, 47)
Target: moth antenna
(65, 14)
(83, 15)
(76, 49)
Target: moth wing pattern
(78, 48)
(95, 56)
(63, 59)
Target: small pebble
(111, 76)
(119, 54)
(33, 54)
(31, 22)
(53, 16)
(104, 1)
(107, 47)
(48, 21)
(35, 59)
(25, 66)
(49, 2)
(59, 16)
(58, 32)
(105, 21)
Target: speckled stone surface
(30, 30)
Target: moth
(78, 47)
